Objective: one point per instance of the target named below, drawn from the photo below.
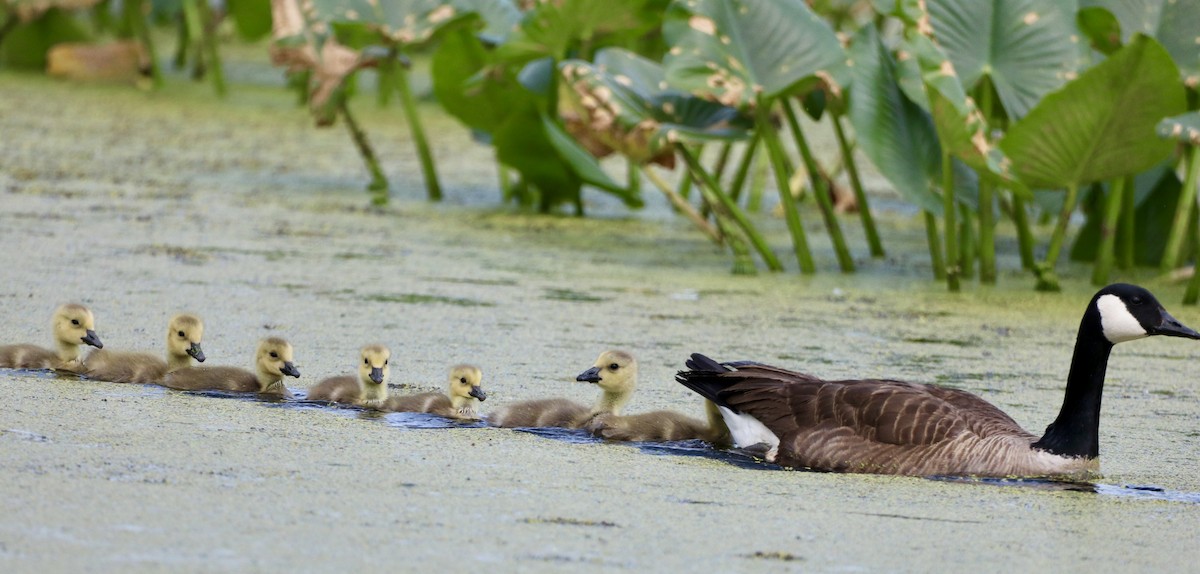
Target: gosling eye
(182, 335)
(366, 361)
(614, 367)
(462, 380)
(75, 322)
(385, 362)
(274, 355)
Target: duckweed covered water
(140, 206)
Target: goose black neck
(1076, 431)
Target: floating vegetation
(423, 299)
(571, 295)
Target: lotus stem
(722, 160)
(719, 200)
(743, 169)
(1020, 216)
(682, 206)
(1108, 232)
(1047, 279)
(208, 39)
(949, 211)
(409, 104)
(379, 184)
(968, 251)
(864, 210)
(1183, 214)
(685, 183)
(135, 18)
(385, 77)
(782, 176)
(1193, 287)
(820, 189)
(1125, 231)
(758, 183)
(935, 246)
(987, 223)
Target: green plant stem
(135, 18)
(968, 251)
(1108, 232)
(1020, 217)
(1193, 287)
(379, 183)
(820, 189)
(633, 175)
(1183, 213)
(685, 183)
(9, 25)
(1125, 231)
(758, 182)
(722, 160)
(743, 169)
(1047, 278)
(987, 222)
(209, 38)
(385, 76)
(935, 246)
(864, 210)
(185, 42)
(795, 225)
(409, 104)
(949, 210)
(682, 206)
(719, 200)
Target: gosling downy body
(896, 427)
(460, 400)
(184, 334)
(272, 361)
(367, 389)
(73, 325)
(616, 372)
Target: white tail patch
(1118, 324)
(748, 431)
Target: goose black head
(1129, 312)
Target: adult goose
(184, 333)
(73, 326)
(896, 427)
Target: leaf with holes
(733, 51)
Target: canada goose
(895, 427)
(618, 371)
(184, 333)
(458, 402)
(272, 361)
(368, 389)
(72, 325)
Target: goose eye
(274, 355)
(75, 322)
(181, 335)
(1136, 300)
(614, 367)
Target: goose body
(897, 427)
(184, 333)
(463, 393)
(272, 361)
(367, 389)
(73, 325)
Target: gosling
(462, 395)
(72, 324)
(184, 333)
(368, 389)
(616, 372)
(272, 362)
(564, 413)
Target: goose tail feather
(704, 378)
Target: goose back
(27, 357)
(343, 389)
(560, 413)
(144, 368)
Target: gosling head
(274, 359)
(1129, 312)
(184, 333)
(464, 383)
(613, 371)
(74, 325)
(373, 367)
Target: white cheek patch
(746, 430)
(1118, 323)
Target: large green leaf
(896, 134)
(733, 51)
(584, 164)
(1174, 23)
(1027, 47)
(401, 22)
(1101, 125)
(471, 85)
(555, 29)
(252, 18)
